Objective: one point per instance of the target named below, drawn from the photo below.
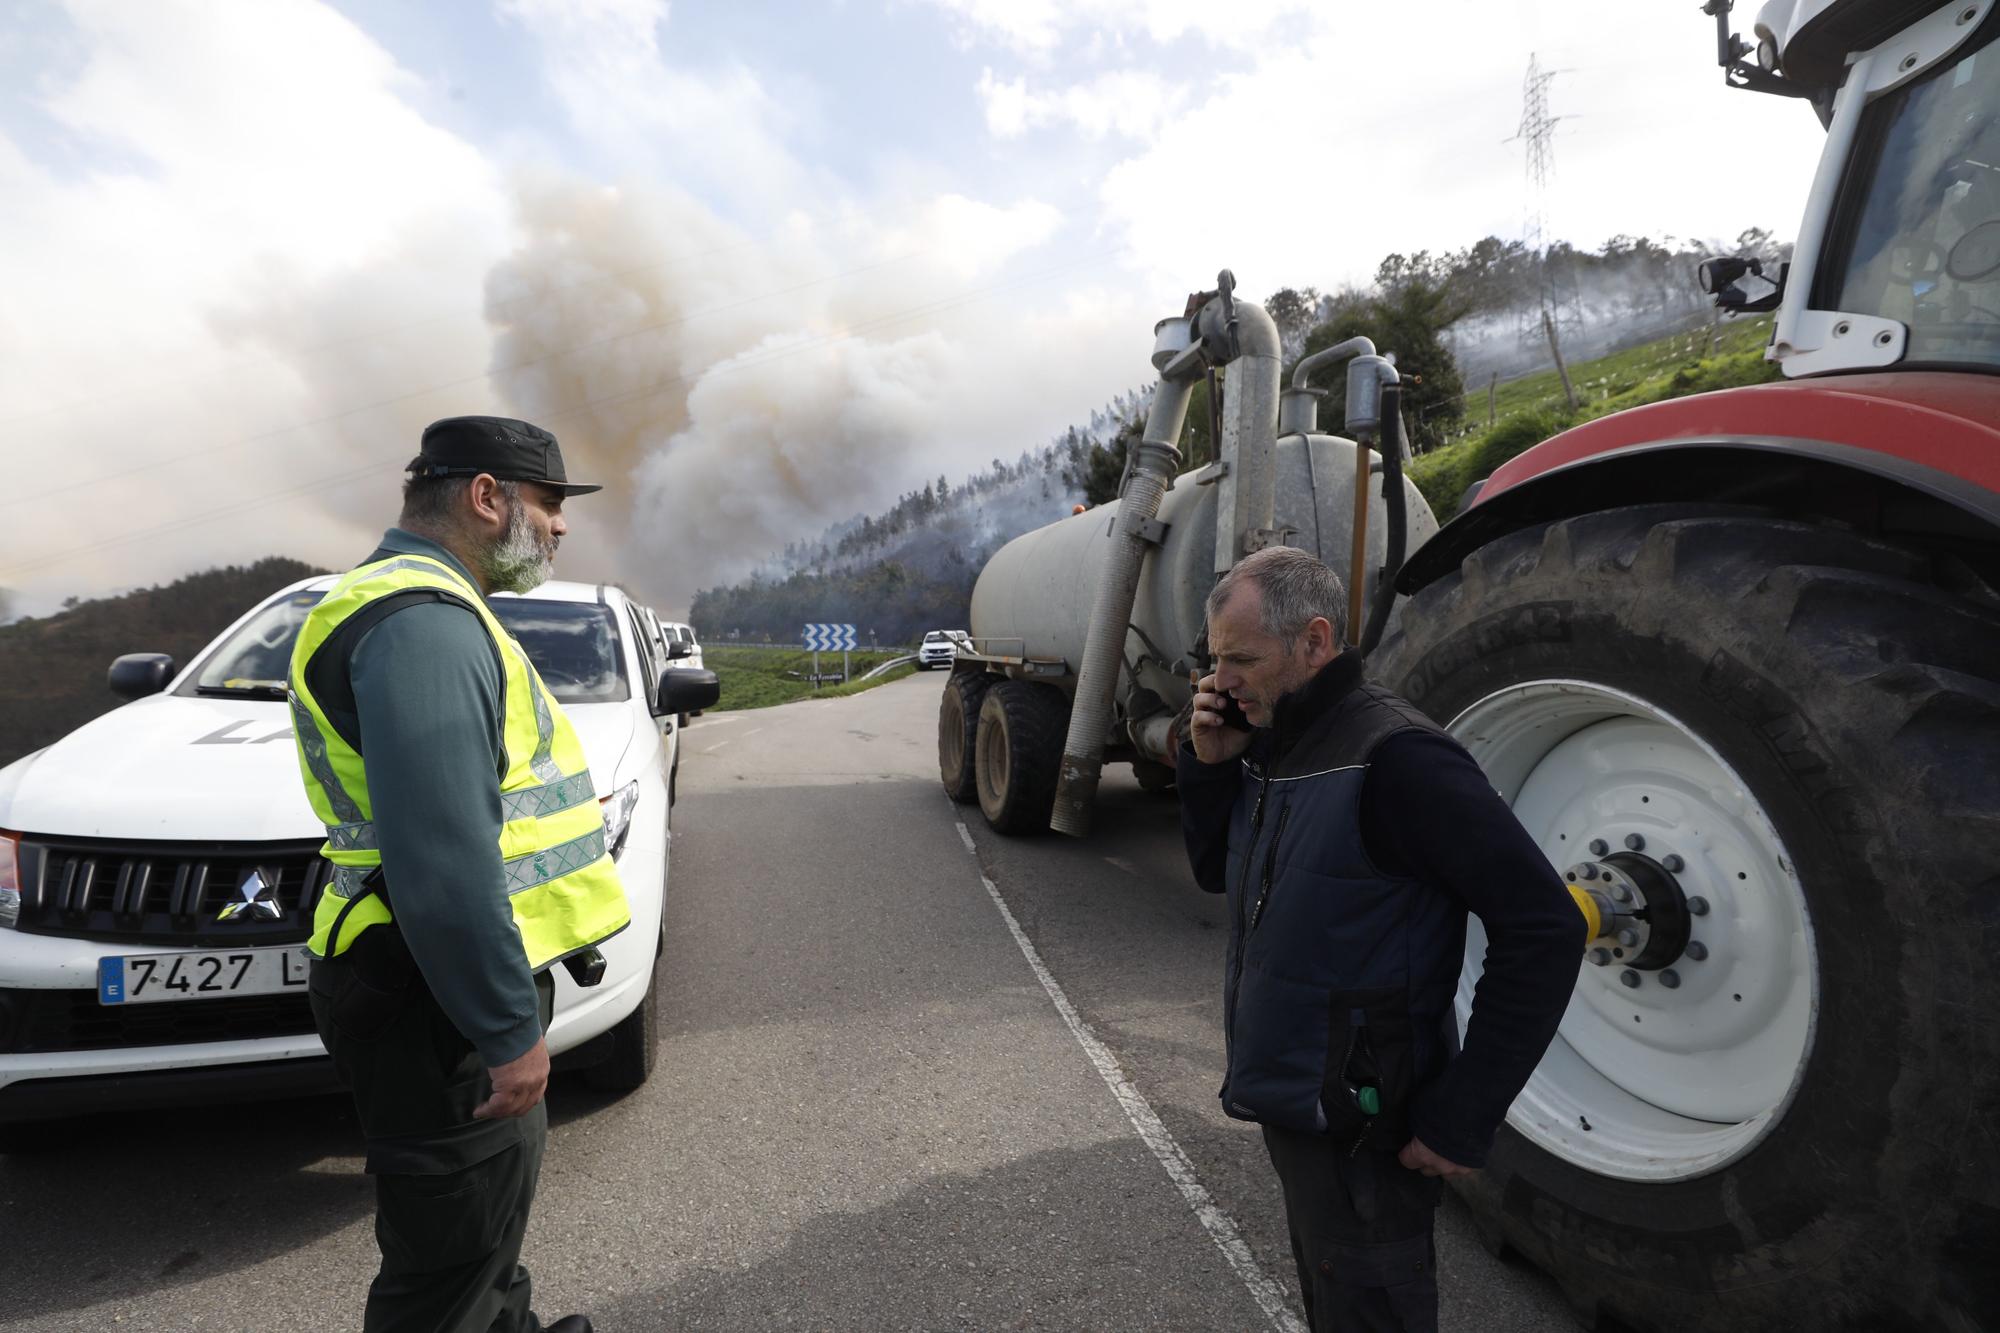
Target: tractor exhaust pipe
(1214, 332)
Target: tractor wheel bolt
(1634, 842)
(1696, 950)
(1629, 938)
(1670, 979)
(1629, 978)
(1673, 864)
(1698, 906)
(1599, 846)
(1620, 893)
(1600, 956)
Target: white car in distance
(939, 648)
(159, 866)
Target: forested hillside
(52, 668)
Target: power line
(373, 469)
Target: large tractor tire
(1018, 754)
(958, 733)
(1789, 1123)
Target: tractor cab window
(1921, 242)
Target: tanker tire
(958, 734)
(1018, 754)
(1860, 702)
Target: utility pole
(1557, 295)
(1555, 350)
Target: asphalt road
(873, 1111)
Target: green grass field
(1531, 409)
(757, 677)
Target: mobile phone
(1232, 714)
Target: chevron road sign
(830, 638)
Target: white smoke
(738, 392)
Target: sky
(759, 266)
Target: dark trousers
(452, 1194)
(1361, 1234)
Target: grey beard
(518, 562)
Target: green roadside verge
(1669, 368)
(758, 677)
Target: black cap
(507, 449)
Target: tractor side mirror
(136, 675)
(685, 690)
(1738, 285)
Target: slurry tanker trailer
(1734, 659)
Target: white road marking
(1122, 864)
(718, 721)
(713, 748)
(1269, 1296)
(752, 732)
(966, 838)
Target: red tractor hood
(1943, 420)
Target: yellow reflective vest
(560, 878)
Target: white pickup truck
(159, 867)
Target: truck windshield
(574, 645)
(1923, 244)
(255, 661)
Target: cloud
(207, 306)
(715, 131)
(1133, 104)
(1318, 163)
(1040, 28)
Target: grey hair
(431, 503)
(1296, 586)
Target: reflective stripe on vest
(561, 883)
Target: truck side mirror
(1738, 284)
(676, 650)
(685, 690)
(136, 675)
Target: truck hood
(174, 768)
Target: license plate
(154, 978)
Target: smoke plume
(739, 393)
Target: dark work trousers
(452, 1193)
(1361, 1234)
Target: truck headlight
(10, 878)
(618, 808)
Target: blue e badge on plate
(111, 981)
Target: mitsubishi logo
(258, 898)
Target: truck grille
(166, 892)
(73, 1020)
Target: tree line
(53, 668)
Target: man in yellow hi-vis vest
(470, 858)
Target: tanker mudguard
(1932, 434)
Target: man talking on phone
(1352, 835)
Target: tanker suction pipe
(1156, 457)
(1397, 504)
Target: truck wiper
(244, 691)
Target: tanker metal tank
(1009, 702)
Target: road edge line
(1152, 1132)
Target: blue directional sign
(830, 638)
